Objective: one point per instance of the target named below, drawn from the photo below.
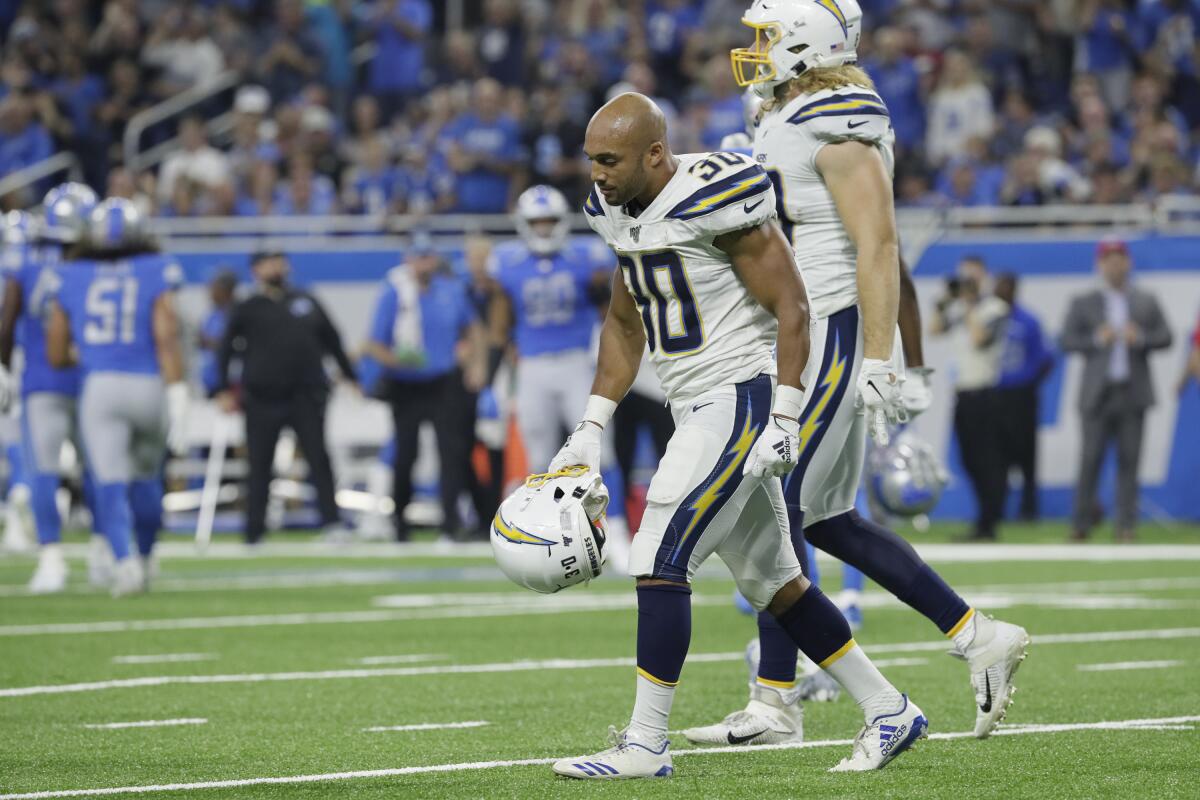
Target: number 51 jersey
(703, 327)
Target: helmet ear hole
(559, 494)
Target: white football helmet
(542, 220)
(791, 36)
(550, 533)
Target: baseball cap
(1111, 244)
(252, 100)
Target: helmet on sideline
(791, 36)
(905, 478)
(537, 206)
(550, 533)
(116, 224)
(66, 209)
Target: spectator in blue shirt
(306, 192)
(372, 183)
(1025, 361)
(23, 140)
(483, 149)
(1104, 48)
(422, 315)
(212, 329)
(398, 70)
(291, 57)
(502, 42)
(424, 184)
(899, 82)
(670, 25)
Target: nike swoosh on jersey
(743, 739)
(987, 707)
(859, 124)
(699, 406)
(750, 208)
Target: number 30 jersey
(786, 142)
(703, 328)
(110, 305)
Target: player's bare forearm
(58, 338)
(858, 180)
(910, 320)
(9, 311)
(499, 321)
(166, 340)
(622, 343)
(763, 260)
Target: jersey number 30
(663, 294)
(111, 310)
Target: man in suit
(1114, 327)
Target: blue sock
(44, 504)
(664, 631)
(145, 498)
(816, 626)
(891, 562)
(116, 518)
(852, 579)
(776, 651)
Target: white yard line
(427, 726)
(940, 553)
(164, 658)
(146, 723)
(537, 665)
(1116, 666)
(411, 658)
(1169, 723)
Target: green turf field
(291, 660)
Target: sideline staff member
(422, 314)
(281, 334)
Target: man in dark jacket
(1115, 328)
(281, 335)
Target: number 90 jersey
(703, 328)
(110, 305)
(786, 142)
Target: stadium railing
(60, 163)
(136, 158)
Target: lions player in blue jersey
(48, 394)
(116, 308)
(550, 290)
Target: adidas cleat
(993, 663)
(768, 719)
(884, 738)
(624, 760)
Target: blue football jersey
(551, 308)
(111, 308)
(31, 267)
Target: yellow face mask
(753, 65)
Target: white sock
(863, 681)
(52, 552)
(975, 625)
(651, 710)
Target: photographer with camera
(969, 313)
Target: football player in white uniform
(708, 283)
(824, 137)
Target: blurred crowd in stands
(380, 106)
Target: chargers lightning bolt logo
(833, 8)
(833, 378)
(737, 454)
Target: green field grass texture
(290, 660)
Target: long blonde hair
(816, 80)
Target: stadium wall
(1052, 271)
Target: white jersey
(786, 144)
(703, 328)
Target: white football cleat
(771, 717)
(884, 738)
(50, 577)
(18, 521)
(129, 577)
(994, 656)
(100, 562)
(625, 759)
(816, 685)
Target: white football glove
(6, 390)
(582, 448)
(774, 453)
(177, 412)
(917, 390)
(878, 393)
